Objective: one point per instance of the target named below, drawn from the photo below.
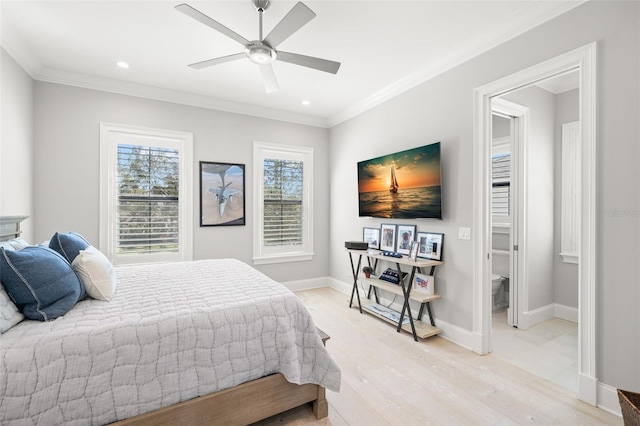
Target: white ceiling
(385, 47)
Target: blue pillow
(68, 245)
(40, 281)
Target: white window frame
(571, 184)
(303, 252)
(110, 136)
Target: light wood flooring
(548, 350)
(388, 379)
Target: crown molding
(492, 38)
(53, 75)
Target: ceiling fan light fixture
(260, 53)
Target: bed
(202, 342)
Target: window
(500, 186)
(283, 215)
(501, 177)
(145, 194)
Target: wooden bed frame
(243, 404)
(268, 396)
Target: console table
(416, 327)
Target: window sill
(570, 258)
(282, 258)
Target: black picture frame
(430, 245)
(372, 237)
(222, 194)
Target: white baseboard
(458, 335)
(565, 312)
(536, 316)
(341, 286)
(307, 284)
(608, 399)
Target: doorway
(583, 61)
(526, 235)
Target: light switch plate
(464, 233)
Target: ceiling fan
(263, 51)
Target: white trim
(109, 134)
(608, 399)
(103, 84)
(281, 258)
(520, 119)
(583, 59)
(567, 313)
(264, 255)
(537, 316)
(481, 43)
(340, 286)
(307, 284)
(570, 203)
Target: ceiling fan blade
(269, 78)
(199, 16)
(309, 62)
(216, 61)
(292, 22)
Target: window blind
(283, 202)
(500, 190)
(148, 200)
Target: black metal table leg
(433, 323)
(406, 291)
(355, 281)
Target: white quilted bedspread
(172, 332)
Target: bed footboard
(242, 404)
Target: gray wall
(16, 143)
(67, 163)
(565, 275)
(442, 109)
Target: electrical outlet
(464, 233)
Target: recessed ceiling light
(123, 64)
(306, 103)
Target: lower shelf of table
(423, 330)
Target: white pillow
(9, 314)
(96, 273)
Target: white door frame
(519, 293)
(584, 61)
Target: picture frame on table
(413, 251)
(222, 194)
(388, 237)
(424, 284)
(404, 236)
(372, 237)
(430, 245)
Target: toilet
(497, 290)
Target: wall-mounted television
(404, 185)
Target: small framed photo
(222, 192)
(405, 235)
(388, 237)
(430, 245)
(424, 284)
(371, 236)
(413, 251)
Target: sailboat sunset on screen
(403, 185)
